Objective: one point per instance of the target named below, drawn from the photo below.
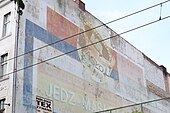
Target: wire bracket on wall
(160, 11)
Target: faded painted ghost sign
(97, 58)
(71, 98)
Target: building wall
(154, 74)
(7, 44)
(104, 75)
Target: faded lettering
(60, 94)
(91, 105)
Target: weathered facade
(62, 69)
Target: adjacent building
(53, 61)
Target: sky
(153, 40)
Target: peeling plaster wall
(125, 48)
(106, 75)
(154, 74)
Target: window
(6, 25)
(3, 64)
(2, 108)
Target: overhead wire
(88, 45)
(104, 24)
(127, 106)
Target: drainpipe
(19, 13)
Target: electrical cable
(104, 24)
(141, 103)
(89, 45)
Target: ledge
(3, 78)
(4, 2)
(3, 37)
(156, 90)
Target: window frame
(3, 64)
(6, 24)
(2, 105)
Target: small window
(6, 25)
(2, 103)
(3, 64)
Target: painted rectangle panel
(61, 27)
(128, 69)
(71, 93)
